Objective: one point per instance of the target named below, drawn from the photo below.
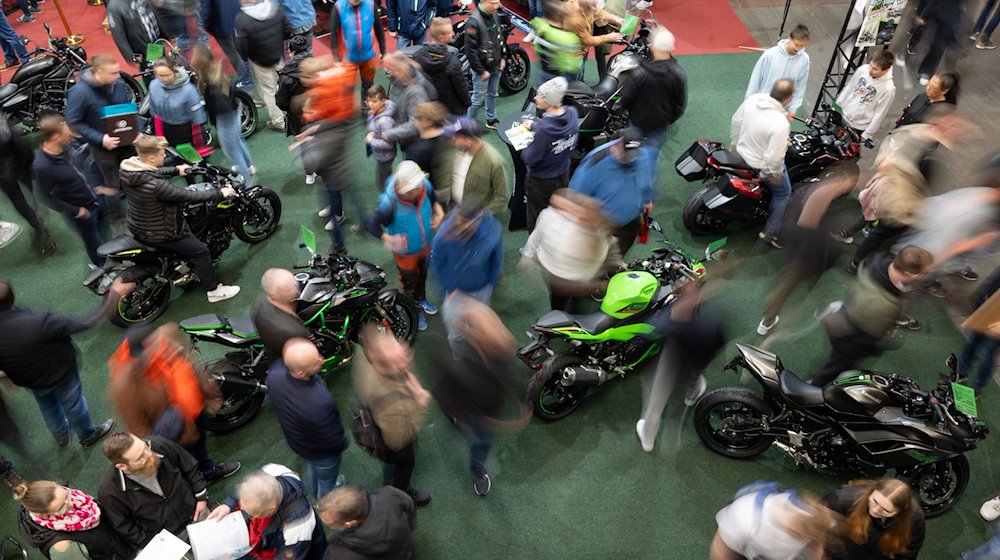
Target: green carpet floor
(577, 488)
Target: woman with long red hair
(882, 520)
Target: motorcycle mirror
(654, 225)
(952, 363)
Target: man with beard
(154, 484)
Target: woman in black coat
(882, 520)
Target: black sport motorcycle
(340, 295)
(863, 423)
(732, 190)
(42, 84)
(517, 68)
(252, 216)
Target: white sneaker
(763, 329)
(990, 509)
(324, 213)
(530, 36)
(8, 233)
(253, 170)
(329, 226)
(222, 292)
(647, 447)
(310, 178)
(695, 389)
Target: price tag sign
(965, 398)
(309, 238)
(154, 51)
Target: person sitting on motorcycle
(882, 520)
(662, 77)
(581, 15)
(155, 211)
(177, 107)
(759, 131)
(276, 315)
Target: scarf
(82, 515)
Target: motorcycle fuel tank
(629, 293)
(857, 392)
(31, 73)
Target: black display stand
(846, 58)
(518, 204)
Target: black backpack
(366, 432)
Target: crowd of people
(442, 192)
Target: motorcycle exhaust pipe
(583, 376)
(239, 384)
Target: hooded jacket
(261, 32)
(396, 217)
(548, 156)
(386, 534)
(102, 543)
(85, 103)
(409, 17)
(177, 103)
(154, 205)
(759, 132)
(468, 261)
(407, 97)
(866, 100)
(136, 513)
(654, 112)
(442, 67)
(776, 64)
(383, 150)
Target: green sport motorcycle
(611, 342)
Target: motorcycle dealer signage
(881, 20)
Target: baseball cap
(632, 140)
(462, 126)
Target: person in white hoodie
(868, 96)
(787, 59)
(759, 132)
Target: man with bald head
(276, 314)
(308, 415)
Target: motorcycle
(732, 190)
(611, 342)
(340, 295)
(252, 216)
(41, 85)
(864, 422)
(517, 68)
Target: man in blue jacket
(620, 174)
(408, 22)
(219, 19)
(301, 16)
(548, 156)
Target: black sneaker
(481, 483)
(223, 470)
(966, 273)
(420, 497)
(852, 268)
(909, 323)
(341, 218)
(492, 125)
(26, 19)
(102, 430)
(936, 289)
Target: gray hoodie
(406, 98)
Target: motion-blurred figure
(945, 20)
(882, 520)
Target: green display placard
(965, 398)
(309, 238)
(188, 152)
(154, 51)
(628, 26)
(716, 245)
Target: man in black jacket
(153, 484)
(133, 25)
(440, 63)
(36, 352)
(261, 32)
(483, 44)
(367, 524)
(155, 215)
(655, 96)
(67, 188)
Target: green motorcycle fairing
(628, 293)
(619, 334)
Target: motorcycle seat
(593, 323)
(799, 391)
(579, 89)
(730, 159)
(7, 89)
(120, 244)
(606, 88)
(242, 327)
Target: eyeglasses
(147, 452)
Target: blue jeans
(656, 137)
(336, 203)
(10, 43)
(780, 192)
(63, 405)
(544, 76)
(402, 41)
(990, 550)
(26, 6)
(480, 440)
(91, 234)
(535, 8)
(320, 475)
(981, 24)
(981, 347)
(232, 142)
(491, 88)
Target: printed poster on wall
(881, 20)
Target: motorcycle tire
(248, 113)
(938, 485)
(697, 216)
(550, 399)
(147, 302)
(236, 410)
(517, 72)
(402, 318)
(733, 403)
(260, 220)
(133, 87)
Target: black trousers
(12, 188)
(880, 234)
(538, 192)
(398, 468)
(626, 235)
(194, 250)
(845, 351)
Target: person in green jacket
(480, 176)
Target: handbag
(366, 432)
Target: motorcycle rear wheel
(147, 302)
(698, 217)
(236, 410)
(550, 399)
(737, 410)
(938, 485)
(261, 220)
(133, 87)
(516, 73)
(248, 113)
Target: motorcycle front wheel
(698, 218)
(401, 318)
(147, 302)
(260, 217)
(134, 89)
(730, 421)
(550, 399)
(248, 113)
(517, 71)
(938, 485)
